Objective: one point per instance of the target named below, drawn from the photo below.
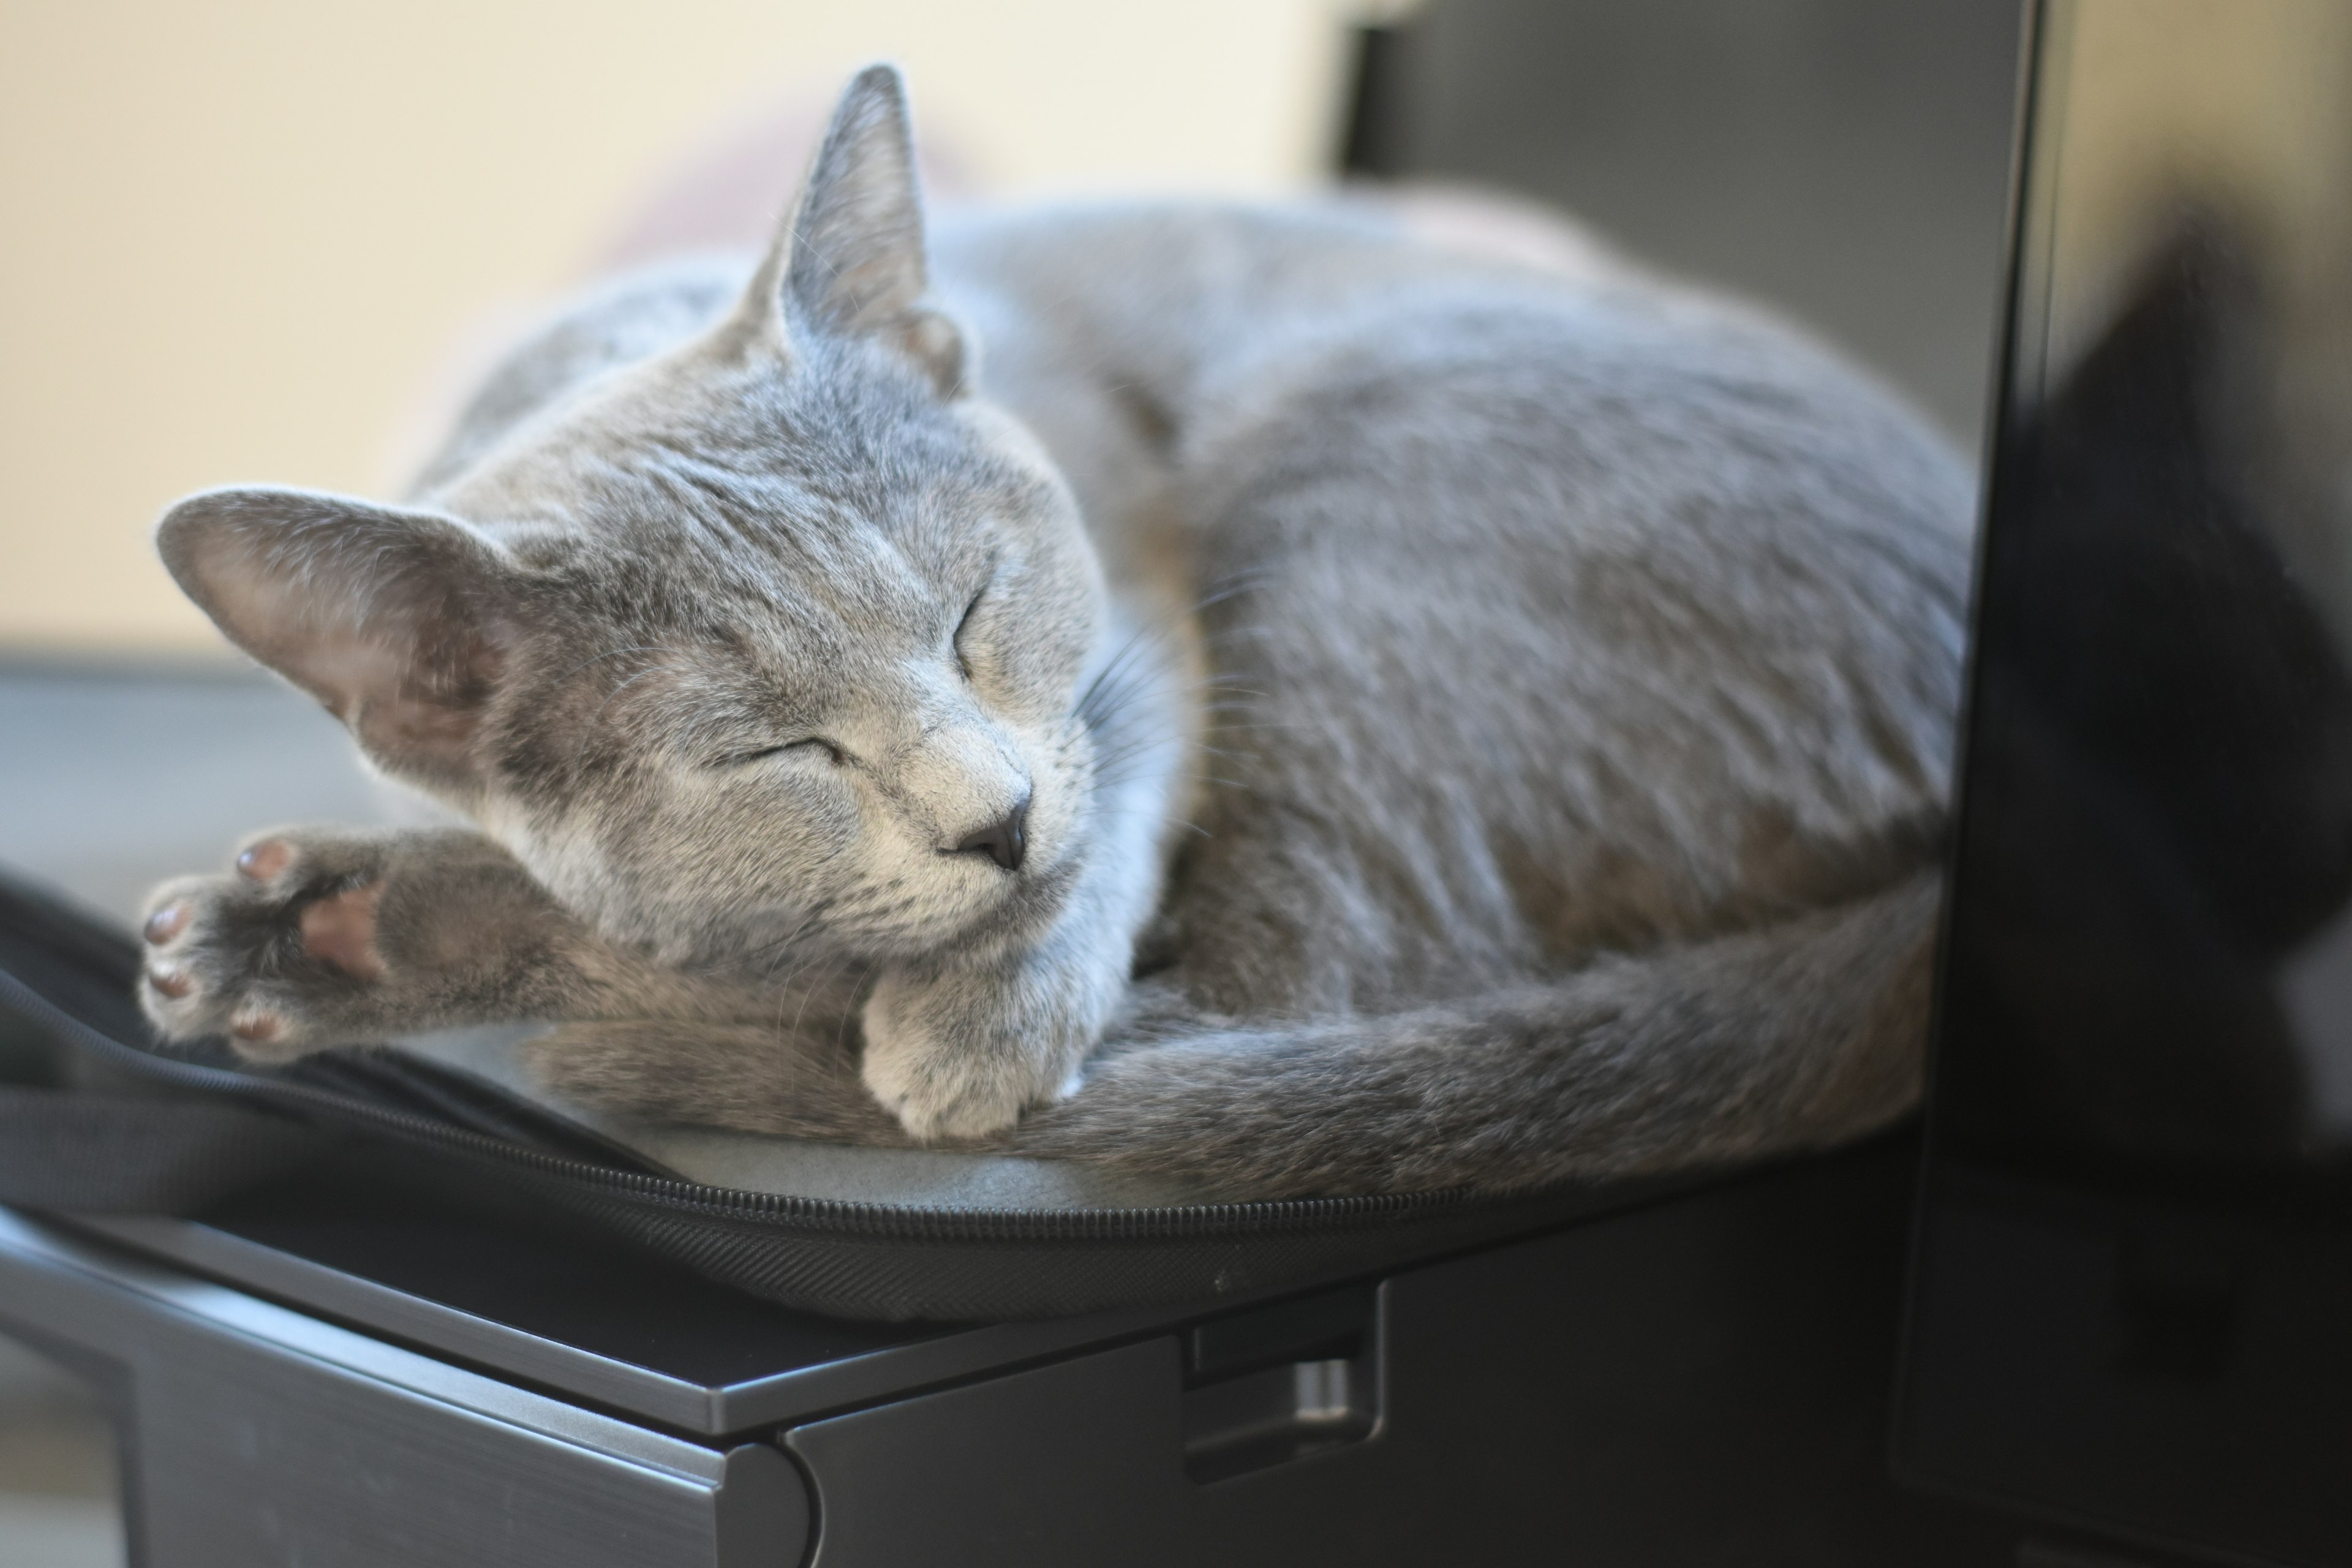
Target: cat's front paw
(962, 1056)
(280, 954)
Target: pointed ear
(850, 259)
(399, 622)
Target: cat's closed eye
(815, 745)
(964, 658)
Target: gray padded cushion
(795, 1167)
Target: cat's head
(777, 634)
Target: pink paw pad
(258, 1027)
(170, 981)
(340, 932)
(266, 859)
(167, 922)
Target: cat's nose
(1005, 840)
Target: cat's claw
(270, 954)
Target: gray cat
(1314, 714)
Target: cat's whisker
(1231, 587)
(807, 994)
(1119, 668)
(1108, 764)
(1123, 812)
(849, 1013)
(816, 911)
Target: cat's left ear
(850, 259)
(399, 622)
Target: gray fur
(1478, 726)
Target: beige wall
(237, 239)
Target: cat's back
(1575, 401)
(1569, 609)
(1561, 591)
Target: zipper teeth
(828, 1215)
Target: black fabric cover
(102, 1118)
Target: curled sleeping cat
(1233, 691)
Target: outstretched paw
(280, 954)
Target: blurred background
(251, 240)
(241, 238)
(246, 240)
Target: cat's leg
(321, 937)
(789, 1077)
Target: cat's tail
(1797, 1035)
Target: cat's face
(797, 648)
(768, 645)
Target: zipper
(816, 1216)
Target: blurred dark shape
(2162, 800)
(1373, 144)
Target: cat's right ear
(399, 622)
(850, 259)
